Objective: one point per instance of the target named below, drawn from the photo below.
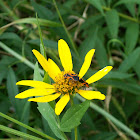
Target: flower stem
(64, 26)
(75, 129)
(75, 132)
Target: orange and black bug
(74, 77)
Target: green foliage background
(109, 26)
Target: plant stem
(42, 47)
(123, 15)
(26, 126)
(112, 119)
(18, 133)
(93, 106)
(22, 59)
(75, 132)
(64, 26)
(75, 129)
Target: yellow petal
(98, 75)
(37, 84)
(34, 92)
(45, 98)
(65, 55)
(91, 94)
(61, 104)
(86, 63)
(41, 59)
(53, 69)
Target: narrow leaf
(130, 60)
(137, 67)
(112, 19)
(42, 22)
(97, 4)
(37, 75)
(118, 75)
(18, 133)
(131, 37)
(49, 43)
(113, 74)
(119, 108)
(18, 104)
(101, 54)
(42, 11)
(131, 8)
(126, 86)
(13, 91)
(89, 42)
(126, 2)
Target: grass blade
(18, 133)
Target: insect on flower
(66, 83)
(75, 77)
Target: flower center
(67, 82)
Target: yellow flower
(66, 82)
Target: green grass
(110, 27)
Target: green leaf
(43, 22)
(13, 91)
(101, 54)
(137, 67)
(104, 136)
(47, 129)
(48, 43)
(113, 75)
(37, 75)
(118, 75)
(112, 19)
(25, 126)
(126, 2)
(47, 111)
(126, 86)
(89, 42)
(4, 106)
(25, 115)
(88, 120)
(133, 107)
(131, 37)
(42, 48)
(18, 104)
(97, 4)
(130, 61)
(119, 108)
(42, 11)
(18, 133)
(131, 8)
(12, 36)
(118, 123)
(73, 116)
(2, 75)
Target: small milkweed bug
(84, 83)
(74, 77)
